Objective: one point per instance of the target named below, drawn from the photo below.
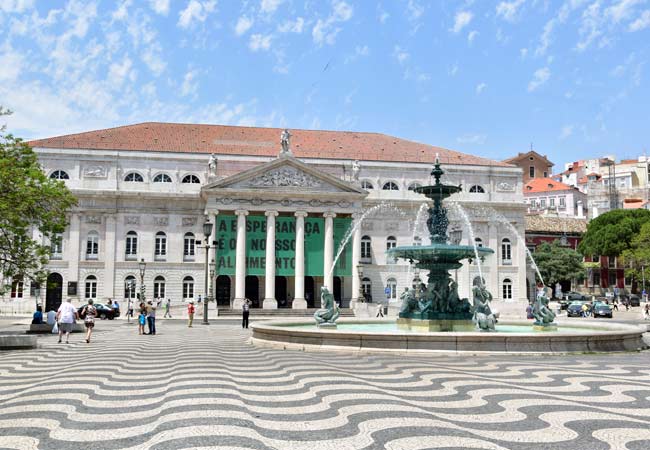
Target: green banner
(285, 245)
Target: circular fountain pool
(517, 337)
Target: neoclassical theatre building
(280, 204)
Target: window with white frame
(17, 289)
(191, 179)
(366, 243)
(160, 245)
(92, 245)
(189, 247)
(506, 252)
(542, 203)
(562, 201)
(91, 287)
(162, 178)
(551, 202)
(507, 289)
(129, 287)
(131, 250)
(56, 246)
(391, 242)
(391, 283)
(188, 288)
(390, 186)
(476, 189)
(365, 184)
(134, 177)
(366, 286)
(159, 287)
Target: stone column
(109, 258)
(240, 260)
(269, 292)
(299, 301)
(73, 255)
(356, 257)
(328, 251)
(213, 253)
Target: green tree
(29, 201)
(612, 233)
(557, 263)
(637, 257)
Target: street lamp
(362, 294)
(207, 232)
(142, 266)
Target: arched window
(365, 184)
(507, 289)
(159, 287)
(131, 245)
(161, 245)
(413, 186)
(390, 186)
(391, 284)
(129, 287)
(417, 240)
(366, 286)
(162, 178)
(17, 288)
(391, 242)
(91, 287)
(56, 246)
(189, 247)
(476, 189)
(366, 254)
(506, 252)
(92, 245)
(59, 175)
(188, 288)
(191, 179)
(134, 177)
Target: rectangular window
(17, 288)
(612, 278)
(562, 201)
(91, 289)
(188, 290)
(56, 246)
(92, 246)
(189, 248)
(611, 262)
(531, 171)
(131, 247)
(365, 250)
(507, 291)
(596, 279)
(161, 246)
(542, 203)
(551, 202)
(545, 174)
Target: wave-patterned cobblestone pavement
(206, 387)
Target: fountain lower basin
(511, 337)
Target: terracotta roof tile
(233, 140)
(545, 185)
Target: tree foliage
(557, 263)
(612, 233)
(637, 257)
(29, 202)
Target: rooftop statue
(356, 169)
(328, 314)
(285, 142)
(212, 165)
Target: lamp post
(142, 266)
(207, 232)
(129, 290)
(362, 294)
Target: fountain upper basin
(438, 253)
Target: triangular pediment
(285, 173)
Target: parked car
(634, 300)
(601, 309)
(103, 311)
(575, 309)
(575, 296)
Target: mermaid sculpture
(541, 312)
(410, 303)
(330, 312)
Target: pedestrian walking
(245, 311)
(626, 302)
(585, 310)
(142, 318)
(615, 303)
(89, 313)
(66, 316)
(190, 313)
(380, 310)
(646, 312)
(168, 307)
(129, 310)
(151, 317)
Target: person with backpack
(190, 313)
(245, 312)
(88, 314)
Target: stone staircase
(280, 312)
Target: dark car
(575, 309)
(601, 309)
(103, 311)
(575, 296)
(634, 300)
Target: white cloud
(117, 73)
(414, 10)
(480, 88)
(324, 30)
(400, 54)
(471, 36)
(540, 77)
(382, 15)
(269, 6)
(260, 42)
(567, 131)
(16, 6)
(523, 52)
(622, 10)
(472, 138)
(160, 6)
(508, 10)
(292, 26)
(195, 11)
(11, 65)
(122, 11)
(243, 25)
(591, 26)
(642, 22)
(462, 19)
(190, 85)
(453, 70)
(359, 51)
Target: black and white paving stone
(206, 387)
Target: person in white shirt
(66, 315)
(51, 317)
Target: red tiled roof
(527, 155)
(545, 185)
(233, 140)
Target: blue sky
(483, 77)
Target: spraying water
(470, 230)
(416, 231)
(382, 207)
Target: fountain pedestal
(426, 325)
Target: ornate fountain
(436, 306)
